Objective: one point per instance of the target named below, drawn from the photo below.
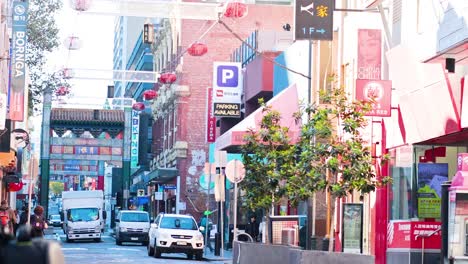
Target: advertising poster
(379, 92)
(408, 234)
(352, 228)
(369, 54)
(430, 178)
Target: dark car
(54, 220)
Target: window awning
(163, 175)
(286, 102)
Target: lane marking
(67, 248)
(125, 249)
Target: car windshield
(174, 222)
(55, 217)
(134, 217)
(83, 214)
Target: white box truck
(83, 215)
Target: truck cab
(83, 214)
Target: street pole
(30, 188)
(207, 236)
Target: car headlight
(164, 236)
(145, 230)
(199, 237)
(123, 229)
(97, 228)
(70, 230)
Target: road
(108, 252)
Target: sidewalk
(226, 256)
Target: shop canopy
(286, 102)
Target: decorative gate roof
(87, 116)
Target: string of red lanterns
(62, 91)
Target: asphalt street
(107, 251)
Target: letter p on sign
(228, 76)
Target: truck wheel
(199, 256)
(97, 240)
(157, 251)
(118, 242)
(189, 256)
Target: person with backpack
(205, 222)
(7, 218)
(38, 222)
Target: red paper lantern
(62, 91)
(167, 78)
(149, 94)
(14, 187)
(138, 106)
(197, 49)
(236, 10)
(81, 5)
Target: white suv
(175, 233)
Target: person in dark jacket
(38, 222)
(252, 228)
(24, 216)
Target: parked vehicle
(132, 226)
(83, 215)
(54, 220)
(175, 233)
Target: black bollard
(217, 251)
(325, 244)
(313, 243)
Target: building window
(400, 192)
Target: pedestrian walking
(206, 231)
(38, 222)
(7, 218)
(252, 228)
(24, 216)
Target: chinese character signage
(135, 138)
(314, 19)
(378, 91)
(227, 82)
(408, 234)
(18, 63)
(210, 118)
(430, 178)
(369, 60)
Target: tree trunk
(331, 232)
(267, 227)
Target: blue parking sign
(227, 82)
(228, 76)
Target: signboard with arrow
(314, 19)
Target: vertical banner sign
(227, 89)
(378, 91)
(369, 54)
(135, 138)
(430, 178)
(3, 110)
(18, 66)
(314, 19)
(352, 228)
(210, 118)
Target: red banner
(210, 118)
(408, 234)
(369, 54)
(380, 91)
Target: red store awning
(286, 102)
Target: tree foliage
(56, 187)
(42, 33)
(330, 153)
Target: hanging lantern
(62, 91)
(80, 5)
(197, 49)
(14, 187)
(236, 10)
(167, 78)
(149, 95)
(72, 43)
(138, 106)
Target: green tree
(56, 187)
(330, 154)
(42, 33)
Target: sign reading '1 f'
(314, 19)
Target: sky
(96, 33)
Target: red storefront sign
(408, 234)
(210, 118)
(378, 90)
